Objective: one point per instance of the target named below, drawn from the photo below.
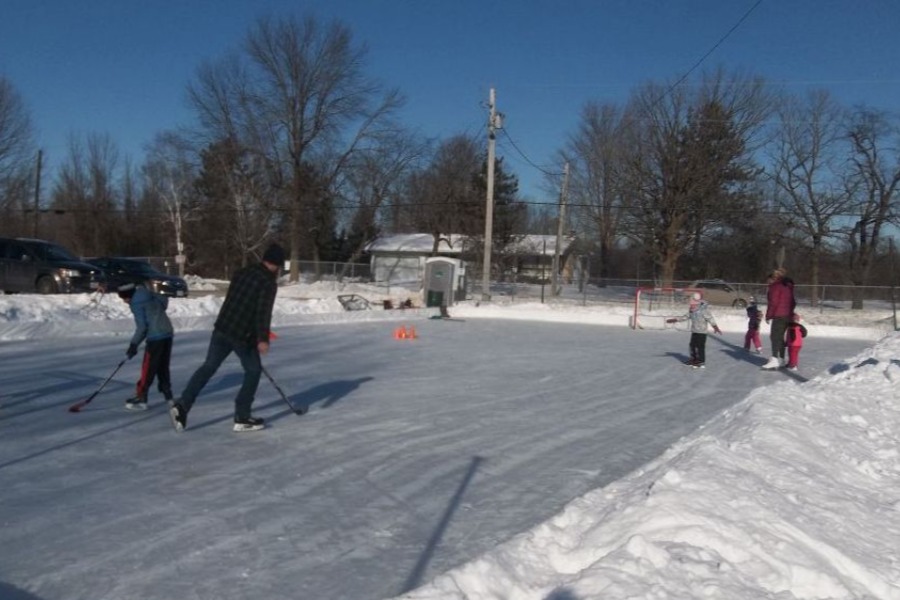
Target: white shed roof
(534, 244)
(422, 243)
(415, 243)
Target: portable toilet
(444, 281)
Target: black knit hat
(275, 255)
(126, 290)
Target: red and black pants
(157, 354)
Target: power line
(390, 205)
(525, 157)
(666, 93)
(711, 50)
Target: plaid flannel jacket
(246, 314)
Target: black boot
(136, 403)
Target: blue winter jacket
(150, 318)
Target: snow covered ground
(526, 451)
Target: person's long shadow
(562, 593)
(328, 393)
(11, 592)
(679, 356)
(415, 577)
(845, 366)
(151, 413)
(69, 381)
(738, 353)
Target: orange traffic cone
(411, 334)
(398, 333)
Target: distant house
(530, 257)
(400, 259)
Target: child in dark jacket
(751, 339)
(151, 324)
(793, 340)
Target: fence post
(585, 278)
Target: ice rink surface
(415, 455)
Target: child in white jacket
(701, 318)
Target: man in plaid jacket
(242, 327)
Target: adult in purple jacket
(780, 307)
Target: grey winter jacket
(150, 318)
(701, 318)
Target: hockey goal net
(655, 308)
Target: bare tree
(86, 192)
(297, 95)
(690, 162)
(16, 154)
(374, 177)
(239, 204)
(806, 168)
(597, 187)
(441, 199)
(169, 174)
(873, 185)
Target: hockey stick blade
(79, 405)
(298, 410)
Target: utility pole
(493, 123)
(37, 192)
(555, 288)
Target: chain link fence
(821, 299)
(825, 298)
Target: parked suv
(29, 265)
(716, 291)
(130, 270)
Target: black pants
(698, 347)
(157, 355)
(776, 333)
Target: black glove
(132, 350)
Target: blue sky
(121, 66)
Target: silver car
(717, 291)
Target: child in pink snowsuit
(793, 340)
(751, 339)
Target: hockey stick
(79, 405)
(299, 410)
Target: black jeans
(219, 349)
(698, 347)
